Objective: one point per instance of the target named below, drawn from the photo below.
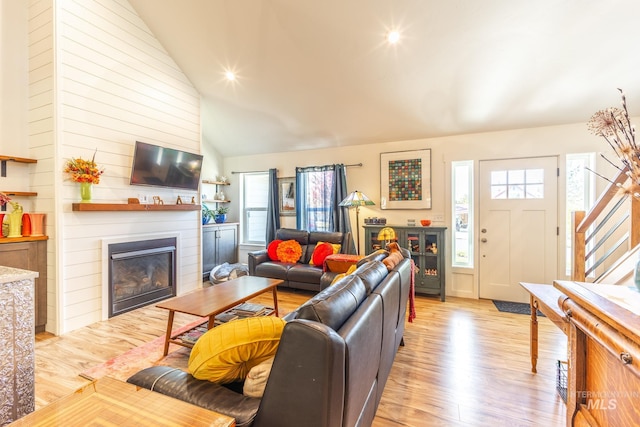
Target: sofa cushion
(289, 251)
(333, 237)
(372, 273)
(257, 378)
(272, 249)
(305, 273)
(333, 305)
(272, 269)
(227, 352)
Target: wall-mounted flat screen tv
(165, 167)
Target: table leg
(534, 334)
(212, 321)
(168, 336)
(275, 301)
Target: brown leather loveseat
(331, 365)
(299, 275)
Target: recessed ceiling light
(229, 75)
(393, 37)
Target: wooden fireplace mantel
(131, 207)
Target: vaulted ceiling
(320, 73)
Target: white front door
(518, 230)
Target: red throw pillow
(272, 250)
(321, 251)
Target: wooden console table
(544, 298)
(109, 402)
(603, 384)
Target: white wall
(545, 141)
(100, 80)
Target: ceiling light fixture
(393, 37)
(229, 75)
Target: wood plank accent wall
(113, 83)
(42, 137)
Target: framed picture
(405, 180)
(287, 196)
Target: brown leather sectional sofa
(332, 363)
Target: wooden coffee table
(109, 402)
(213, 300)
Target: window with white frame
(579, 195)
(255, 195)
(462, 224)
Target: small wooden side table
(340, 263)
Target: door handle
(483, 240)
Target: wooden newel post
(579, 247)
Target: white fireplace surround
(127, 239)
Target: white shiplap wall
(115, 84)
(42, 136)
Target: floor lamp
(356, 199)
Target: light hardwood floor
(464, 363)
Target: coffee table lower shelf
(189, 337)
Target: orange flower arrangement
(289, 251)
(84, 170)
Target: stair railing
(611, 226)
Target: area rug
(149, 354)
(514, 307)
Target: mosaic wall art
(405, 180)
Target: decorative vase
(15, 222)
(26, 225)
(220, 218)
(37, 224)
(85, 192)
(1, 224)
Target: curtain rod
(347, 166)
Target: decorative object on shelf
(26, 225)
(15, 220)
(157, 200)
(85, 172)
(375, 220)
(387, 235)
(223, 179)
(220, 214)
(287, 196)
(179, 200)
(405, 179)
(356, 199)
(614, 126)
(2, 234)
(4, 199)
(37, 224)
(220, 195)
(207, 214)
(425, 222)
(133, 201)
(86, 192)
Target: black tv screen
(165, 167)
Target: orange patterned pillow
(289, 251)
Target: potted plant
(220, 214)
(207, 214)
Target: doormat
(514, 307)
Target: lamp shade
(356, 198)
(387, 233)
